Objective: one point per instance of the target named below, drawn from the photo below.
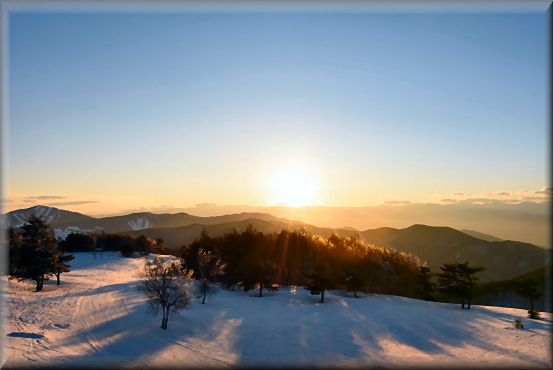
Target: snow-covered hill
(97, 317)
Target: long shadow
(138, 335)
(340, 330)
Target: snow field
(98, 318)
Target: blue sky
(148, 109)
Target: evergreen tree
(457, 280)
(260, 273)
(320, 280)
(529, 290)
(425, 284)
(62, 265)
(354, 283)
(199, 258)
(38, 254)
(15, 241)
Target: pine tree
(15, 241)
(354, 283)
(529, 290)
(457, 280)
(425, 285)
(62, 265)
(38, 254)
(320, 280)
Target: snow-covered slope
(97, 317)
(140, 223)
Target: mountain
(436, 245)
(503, 293)
(482, 236)
(52, 215)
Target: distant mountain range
(503, 259)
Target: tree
(76, 242)
(457, 280)
(261, 273)
(15, 241)
(320, 280)
(425, 284)
(164, 285)
(529, 290)
(354, 283)
(200, 260)
(159, 246)
(38, 253)
(62, 265)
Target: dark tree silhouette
(354, 283)
(261, 274)
(15, 241)
(529, 290)
(38, 253)
(76, 242)
(320, 280)
(457, 280)
(164, 285)
(425, 285)
(62, 265)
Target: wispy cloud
(458, 194)
(546, 190)
(72, 203)
(43, 197)
(503, 194)
(396, 202)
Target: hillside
(438, 245)
(503, 293)
(435, 245)
(98, 318)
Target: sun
(293, 187)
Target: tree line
(254, 260)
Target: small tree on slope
(425, 284)
(457, 280)
(320, 280)
(165, 286)
(528, 290)
(38, 253)
(62, 265)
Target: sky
(117, 111)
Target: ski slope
(98, 318)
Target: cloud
(72, 203)
(546, 190)
(449, 200)
(503, 194)
(43, 197)
(458, 194)
(205, 205)
(396, 202)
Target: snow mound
(140, 223)
(61, 234)
(97, 317)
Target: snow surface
(61, 234)
(48, 213)
(140, 223)
(97, 317)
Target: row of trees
(128, 245)
(34, 253)
(254, 260)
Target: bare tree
(164, 284)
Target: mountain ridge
(434, 245)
